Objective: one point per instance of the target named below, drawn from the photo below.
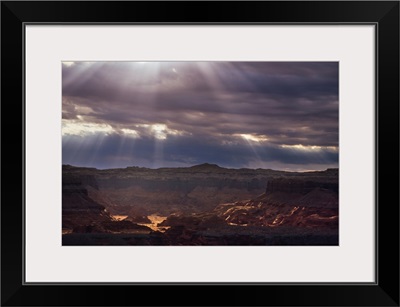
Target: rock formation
(83, 214)
(200, 205)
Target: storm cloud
(281, 115)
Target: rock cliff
(200, 205)
(83, 214)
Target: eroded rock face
(171, 190)
(78, 209)
(83, 214)
(287, 202)
(204, 205)
(194, 221)
(301, 185)
(272, 215)
(189, 190)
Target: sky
(272, 115)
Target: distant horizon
(267, 115)
(202, 164)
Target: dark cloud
(208, 105)
(115, 150)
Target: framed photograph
(240, 151)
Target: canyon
(200, 205)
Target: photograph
(200, 153)
(246, 147)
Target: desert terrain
(200, 205)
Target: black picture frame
(383, 14)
